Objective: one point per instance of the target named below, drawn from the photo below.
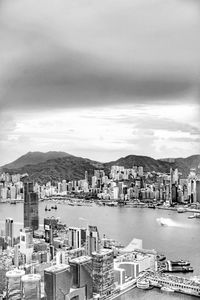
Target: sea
(179, 240)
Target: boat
(179, 269)
(180, 263)
(181, 210)
(163, 222)
(166, 289)
(54, 207)
(13, 202)
(151, 206)
(46, 208)
(192, 216)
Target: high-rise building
(9, 231)
(26, 243)
(103, 273)
(31, 218)
(77, 237)
(81, 269)
(57, 282)
(92, 240)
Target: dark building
(57, 282)
(81, 268)
(31, 218)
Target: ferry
(180, 263)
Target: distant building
(31, 218)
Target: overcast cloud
(71, 55)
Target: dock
(175, 283)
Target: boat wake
(170, 223)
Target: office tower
(92, 240)
(57, 282)
(81, 269)
(9, 231)
(77, 237)
(31, 218)
(26, 243)
(103, 273)
(13, 284)
(31, 287)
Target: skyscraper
(9, 231)
(31, 219)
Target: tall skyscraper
(9, 231)
(31, 218)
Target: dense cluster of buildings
(120, 184)
(59, 262)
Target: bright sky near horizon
(100, 79)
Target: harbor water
(179, 240)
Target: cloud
(68, 54)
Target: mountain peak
(34, 157)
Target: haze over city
(100, 79)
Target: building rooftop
(81, 259)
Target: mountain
(65, 166)
(33, 158)
(148, 163)
(159, 165)
(185, 164)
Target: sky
(100, 79)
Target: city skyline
(109, 80)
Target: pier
(175, 283)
